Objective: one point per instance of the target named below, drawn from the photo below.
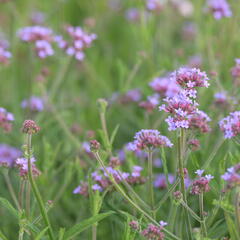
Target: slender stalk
(104, 128)
(21, 193)
(28, 199)
(94, 232)
(181, 153)
(237, 208)
(203, 225)
(150, 182)
(121, 191)
(10, 189)
(36, 191)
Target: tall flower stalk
(30, 127)
(181, 155)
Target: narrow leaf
(80, 227)
(6, 204)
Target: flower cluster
(150, 138)
(220, 98)
(151, 103)
(182, 106)
(161, 181)
(155, 5)
(79, 41)
(230, 125)
(4, 53)
(200, 121)
(232, 176)
(101, 180)
(22, 164)
(153, 232)
(34, 104)
(189, 78)
(6, 119)
(235, 71)
(201, 184)
(133, 15)
(219, 8)
(41, 36)
(133, 95)
(8, 155)
(30, 127)
(165, 86)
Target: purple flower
(161, 181)
(153, 232)
(151, 103)
(149, 138)
(133, 15)
(165, 86)
(4, 53)
(230, 125)
(232, 176)
(219, 8)
(35, 104)
(8, 155)
(201, 184)
(96, 187)
(199, 172)
(154, 5)
(41, 36)
(79, 40)
(6, 119)
(163, 224)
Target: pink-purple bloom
(8, 155)
(165, 86)
(6, 119)
(201, 184)
(154, 5)
(78, 41)
(219, 8)
(42, 37)
(153, 232)
(150, 138)
(4, 53)
(22, 164)
(230, 125)
(232, 176)
(161, 181)
(34, 104)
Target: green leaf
(80, 227)
(6, 204)
(114, 133)
(61, 233)
(41, 234)
(2, 236)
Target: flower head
(8, 155)
(22, 164)
(149, 138)
(219, 8)
(153, 232)
(6, 119)
(230, 125)
(201, 184)
(78, 41)
(30, 127)
(35, 104)
(232, 176)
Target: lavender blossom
(219, 8)
(8, 155)
(35, 104)
(230, 125)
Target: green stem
(104, 128)
(94, 232)
(36, 191)
(237, 208)
(150, 182)
(11, 190)
(121, 191)
(28, 199)
(181, 153)
(203, 225)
